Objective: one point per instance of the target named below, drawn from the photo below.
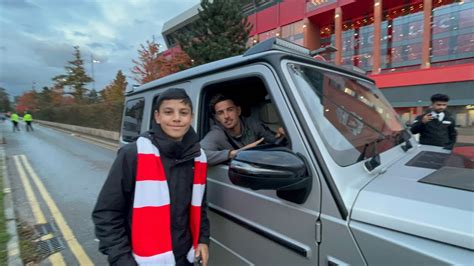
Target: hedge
(107, 116)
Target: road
(55, 179)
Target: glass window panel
(453, 32)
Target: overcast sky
(37, 37)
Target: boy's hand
(202, 250)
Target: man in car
(437, 126)
(233, 132)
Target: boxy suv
(348, 185)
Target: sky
(37, 37)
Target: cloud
(37, 37)
(18, 4)
(76, 33)
(95, 45)
(53, 54)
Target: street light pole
(92, 70)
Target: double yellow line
(22, 163)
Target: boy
(152, 207)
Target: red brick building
(412, 49)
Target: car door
(258, 227)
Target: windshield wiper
(406, 137)
(375, 159)
(403, 136)
(366, 146)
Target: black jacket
(437, 133)
(113, 211)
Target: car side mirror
(269, 169)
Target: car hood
(398, 200)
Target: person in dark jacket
(232, 132)
(436, 127)
(152, 207)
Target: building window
(402, 37)
(267, 35)
(453, 32)
(293, 32)
(312, 5)
(357, 42)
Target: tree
(28, 101)
(76, 77)
(115, 91)
(221, 31)
(147, 67)
(45, 98)
(177, 61)
(4, 100)
(93, 96)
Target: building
(412, 49)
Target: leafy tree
(4, 100)
(28, 101)
(221, 31)
(115, 91)
(76, 77)
(178, 60)
(45, 98)
(147, 67)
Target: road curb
(10, 217)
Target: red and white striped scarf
(151, 220)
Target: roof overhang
(460, 93)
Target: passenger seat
(268, 115)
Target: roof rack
(277, 44)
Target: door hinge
(318, 231)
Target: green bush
(106, 116)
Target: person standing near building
(28, 118)
(152, 208)
(14, 118)
(436, 127)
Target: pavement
(55, 178)
(13, 247)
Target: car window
(132, 119)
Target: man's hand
(203, 251)
(248, 146)
(427, 118)
(251, 145)
(280, 133)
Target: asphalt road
(72, 172)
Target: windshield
(353, 118)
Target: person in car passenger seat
(233, 132)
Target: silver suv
(349, 185)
